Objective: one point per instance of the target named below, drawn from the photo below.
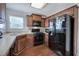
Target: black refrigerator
(61, 31)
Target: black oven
(38, 38)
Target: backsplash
(27, 30)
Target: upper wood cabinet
(69, 11)
(46, 23)
(29, 21)
(43, 22)
(36, 17)
(2, 10)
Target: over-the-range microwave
(36, 23)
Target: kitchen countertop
(5, 44)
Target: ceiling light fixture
(38, 5)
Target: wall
(15, 13)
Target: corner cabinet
(19, 45)
(22, 42)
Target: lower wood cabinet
(21, 42)
(19, 45)
(30, 40)
(46, 39)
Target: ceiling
(50, 9)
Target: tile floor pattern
(40, 50)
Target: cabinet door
(29, 21)
(46, 23)
(43, 22)
(21, 44)
(46, 39)
(29, 43)
(36, 17)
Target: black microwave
(36, 23)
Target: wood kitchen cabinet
(30, 40)
(43, 22)
(46, 23)
(19, 45)
(36, 17)
(46, 39)
(69, 11)
(21, 42)
(32, 18)
(29, 21)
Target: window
(16, 22)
